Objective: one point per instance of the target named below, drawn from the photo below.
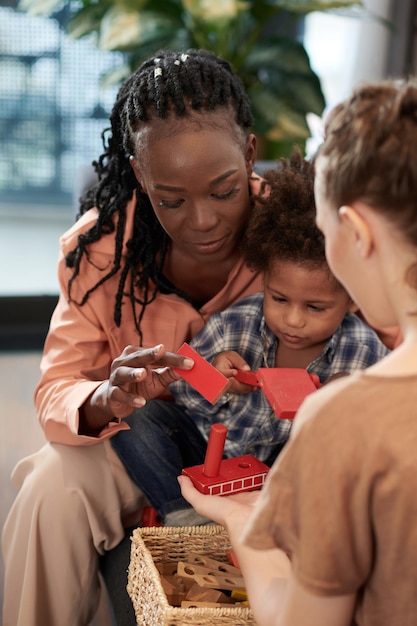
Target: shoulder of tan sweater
(325, 395)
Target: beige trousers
(73, 504)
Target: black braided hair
(168, 84)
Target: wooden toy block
(248, 378)
(219, 582)
(240, 595)
(215, 448)
(187, 604)
(219, 566)
(184, 583)
(200, 594)
(241, 473)
(285, 388)
(204, 377)
(189, 570)
(168, 568)
(174, 589)
(150, 517)
(232, 558)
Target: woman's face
(196, 177)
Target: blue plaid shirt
(252, 425)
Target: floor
(29, 247)
(20, 433)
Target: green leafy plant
(257, 36)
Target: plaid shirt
(252, 425)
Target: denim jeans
(162, 441)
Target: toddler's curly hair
(283, 225)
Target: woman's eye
(226, 196)
(173, 204)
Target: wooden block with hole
(219, 582)
(220, 566)
(187, 604)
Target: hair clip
(184, 57)
(157, 72)
(156, 60)
(176, 62)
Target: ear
(358, 227)
(136, 170)
(353, 307)
(250, 153)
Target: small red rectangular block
(232, 558)
(150, 517)
(203, 376)
(240, 473)
(248, 378)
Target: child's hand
(228, 363)
(228, 511)
(336, 376)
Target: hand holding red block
(284, 387)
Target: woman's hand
(140, 374)
(136, 376)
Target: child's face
(346, 239)
(303, 307)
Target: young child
(341, 500)
(301, 319)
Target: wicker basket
(163, 544)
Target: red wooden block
(204, 377)
(241, 473)
(215, 448)
(224, 477)
(232, 558)
(249, 378)
(285, 388)
(150, 517)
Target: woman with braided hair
(155, 251)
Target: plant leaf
(307, 6)
(276, 119)
(39, 7)
(278, 52)
(86, 20)
(123, 29)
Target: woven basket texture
(153, 545)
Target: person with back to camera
(155, 252)
(341, 500)
(303, 318)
